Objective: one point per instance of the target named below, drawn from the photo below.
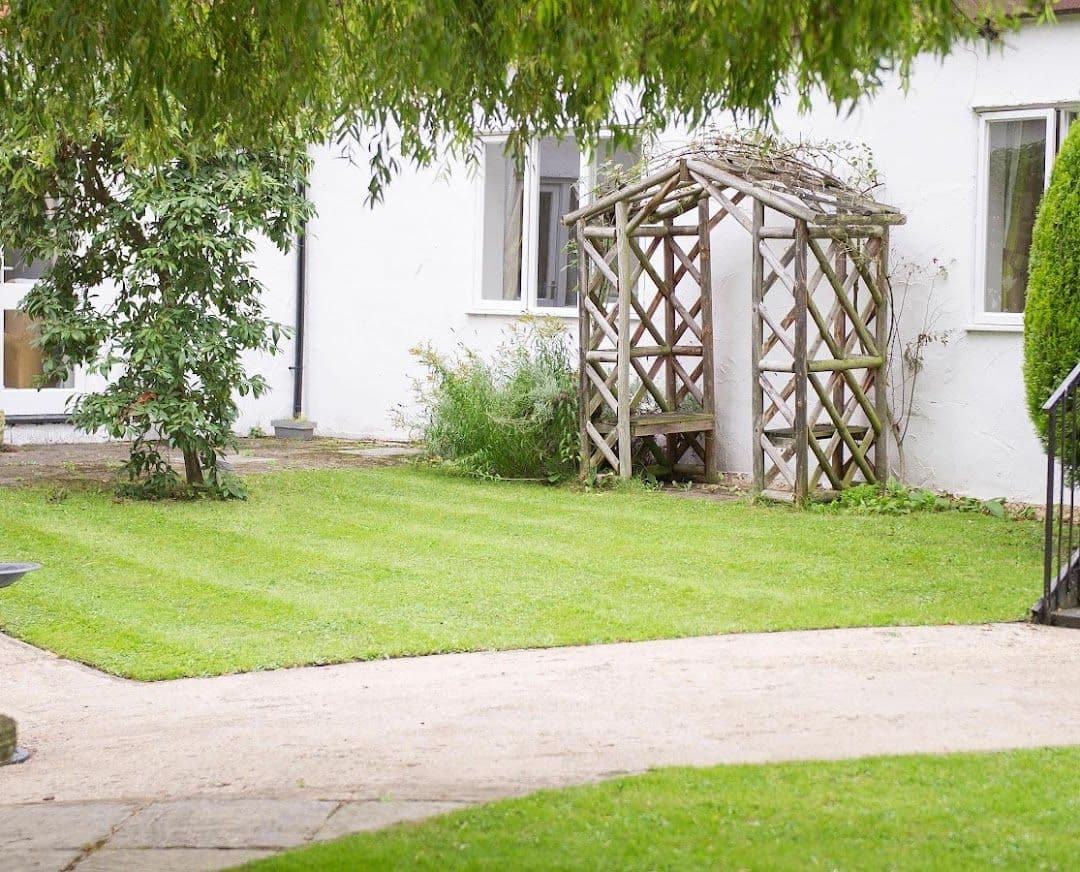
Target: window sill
(994, 328)
(46, 392)
(518, 313)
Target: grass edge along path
(1007, 810)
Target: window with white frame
(1017, 149)
(525, 259)
(20, 358)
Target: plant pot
(291, 428)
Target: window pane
(1016, 177)
(1066, 117)
(22, 361)
(569, 258)
(556, 275)
(16, 268)
(545, 274)
(504, 195)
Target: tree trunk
(192, 468)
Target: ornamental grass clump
(514, 416)
(1052, 308)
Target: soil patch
(99, 463)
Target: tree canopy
(147, 281)
(422, 73)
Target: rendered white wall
(382, 280)
(277, 272)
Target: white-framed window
(524, 257)
(20, 360)
(1017, 148)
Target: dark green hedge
(1052, 309)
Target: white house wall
(277, 272)
(408, 271)
(380, 282)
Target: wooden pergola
(819, 301)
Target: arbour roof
(775, 175)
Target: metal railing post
(1048, 540)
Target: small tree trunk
(192, 468)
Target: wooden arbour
(819, 325)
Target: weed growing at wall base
(512, 417)
(899, 499)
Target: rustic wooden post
(881, 336)
(757, 409)
(708, 370)
(799, 367)
(841, 335)
(625, 276)
(584, 336)
(670, 385)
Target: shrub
(512, 417)
(1052, 309)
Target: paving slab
(167, 859)
(32, 860)
(356, 817)
(223, 823)
(57, 825)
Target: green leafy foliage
(422, 72)
(1052, 308)
(512, 417)
(899, 499)
(150, 287)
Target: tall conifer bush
(1052, 309)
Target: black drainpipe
(301, 294)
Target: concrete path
(204, 773)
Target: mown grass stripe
(345, 564)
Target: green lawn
(1012, 810)
(336, 565)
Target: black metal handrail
(1061, 548)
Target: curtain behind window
(1017, 176)
(515, 204)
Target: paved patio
(206, 773)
